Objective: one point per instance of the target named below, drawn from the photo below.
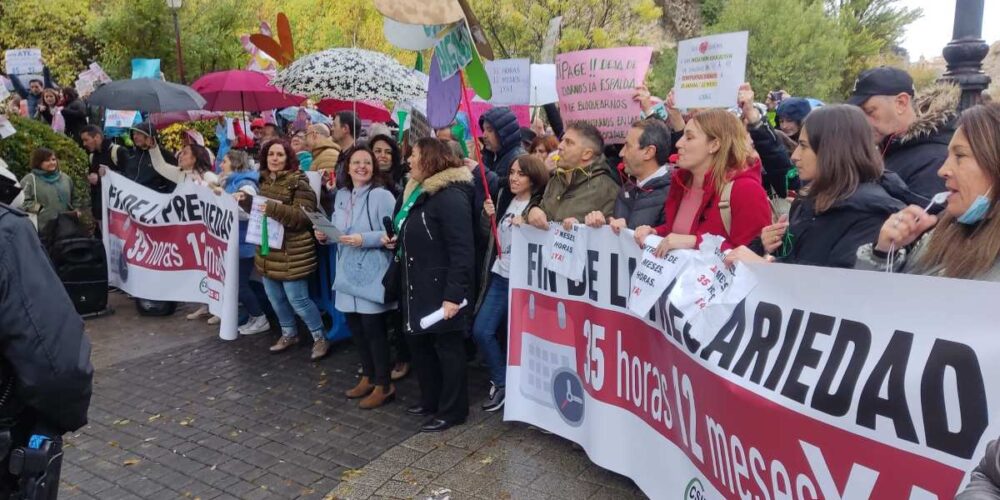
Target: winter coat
(750, 208)
(75, 114)
(576, 193)
(45, 346)
(246, 182)
(775, 160)
(643, 206)
(438, 261)
(325, 155)
(305, 160)
(509, 131)
(503, 200)
(917, 154)
(832, 238)
(984, 483)
(47, 199)
(115, 158)
(288, 193)
(362, 268)
(140, 170)
(906, 258)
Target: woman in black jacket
(434, 224)
(846, 201)
(74, 111)
(526, 184)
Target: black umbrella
(148, 95)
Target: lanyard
(404, 211)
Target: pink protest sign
(597, 86)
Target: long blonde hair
(734, 151)
(970, 251)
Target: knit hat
(794, 109)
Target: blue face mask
(977, 211)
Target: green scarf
(53, 179)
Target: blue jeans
(290, 298)
(484, 330)
(246, 294)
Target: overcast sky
(929, 34)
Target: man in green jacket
(581, 183)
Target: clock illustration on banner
(568, 394)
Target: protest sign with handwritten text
(597, 86)
(511, 81)
(710, 70)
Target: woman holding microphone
(360, 206)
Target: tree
(873, 28)
(794, 45)
(144, 28)
(56, 29)
(517, 28)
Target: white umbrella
(350, 75)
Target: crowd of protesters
(890, 180)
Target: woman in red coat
(714, 152)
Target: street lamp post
(175, 5)
(966, 51)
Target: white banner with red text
(181, 246)
(822, 383)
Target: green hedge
(31, 134)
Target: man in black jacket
(102, 153)
(913, 133)
(640, 201)
(502, 138)
(140, 167)
(45, 363)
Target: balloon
(407, 36)
(443, 97)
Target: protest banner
(23, 61)
(511, 81)
(710, 70)
(145, 68)
(180, 246)
(861, 388)
(119, 119)
(597, 86)
(255, 228)
(454, 50)
(543, 84)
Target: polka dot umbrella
(350, 75)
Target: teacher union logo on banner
(695, 490)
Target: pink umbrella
(242, 90)
(366, 110)
(163, 120)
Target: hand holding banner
(567, 251)
(653, 275)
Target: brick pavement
(202, 418)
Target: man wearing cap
(140, 167)
(913, 133)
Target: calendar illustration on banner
(541, 361)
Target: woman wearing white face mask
(965, 240)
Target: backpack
(779, 207)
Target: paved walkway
(177, 413)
